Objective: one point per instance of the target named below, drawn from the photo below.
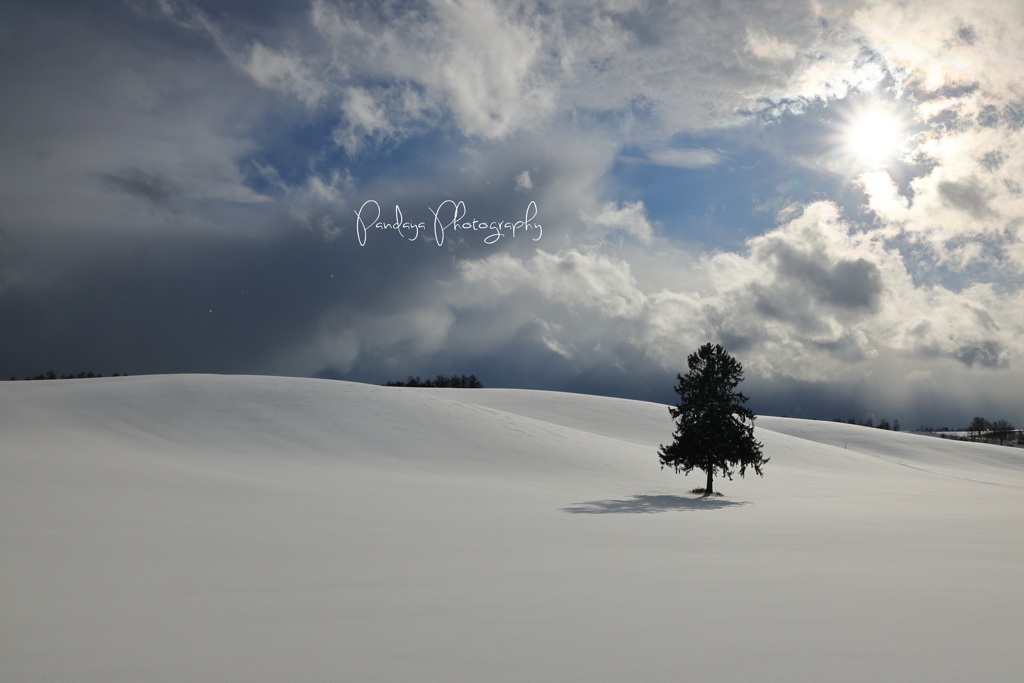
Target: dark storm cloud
(206, 305)
(152, 187)
(989, 354)
(850, 285)
(298, 299)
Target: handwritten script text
(448, 218)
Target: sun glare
(874, 137)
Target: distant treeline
(882, 424)
(981, 429)
(82, 375)
(441, 381)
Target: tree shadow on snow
(650, 504)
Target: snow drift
(263, 529)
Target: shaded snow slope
(975, 461)
(262, 529)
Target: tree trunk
(707, 489)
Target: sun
(874, 136)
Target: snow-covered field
(203, 528)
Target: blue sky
(833, 190)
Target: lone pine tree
(714, 431)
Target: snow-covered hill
(210, 528)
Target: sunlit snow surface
(202, 528)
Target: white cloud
(940, 44)
(884, 196)
(364, 118)
(471, 57)
(549, 337)
(768, 47)
(283, 71)
(319, 204)
(523, 181)
(488, 68)
(963, 71)
(685, 157)
(499, 68)
(970, 192)
(834, 298)
(582, 281)
(382, 115)
(629, 218)
(812, 300)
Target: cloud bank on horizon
(833, 190)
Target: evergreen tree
(714, 431)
